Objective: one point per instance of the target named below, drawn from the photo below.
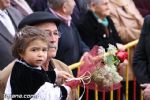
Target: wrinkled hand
(146, 91)
(120, 47)
(63, 74)
(123, 64)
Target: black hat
(38, 17)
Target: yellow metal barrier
(76, 65)
(127, 46)
(96, 93)
(127, 78)
(111, 93)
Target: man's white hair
(90, 2)
(56, 4)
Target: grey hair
(56, 4)
(90, 2)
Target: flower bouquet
(103, 72)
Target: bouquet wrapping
(103, 73)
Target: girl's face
(36, 53)
(51, 27)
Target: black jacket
(141, 59)
(26, 80)
(92, 32)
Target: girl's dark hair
(25, 37)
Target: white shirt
(5, 19)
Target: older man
(48, 22)
(71, 47)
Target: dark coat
(37, 5)
(79, 11)
(6, 39)
(92, 32)
(70, 47)
(141, 59)
(27, 80)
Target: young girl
(28, 80)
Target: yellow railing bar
(127, 46)
(76, 65)
(78, 89)
(111, 93)
(78, 85)
(141, 96)
(127, 78)
(131, 44)
(96, 92)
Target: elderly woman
(97, 28)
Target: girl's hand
(72, 83)
(63, 74)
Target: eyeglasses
(55, 33)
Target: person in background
(79, 11)
(37, 5)
(47, 22)
(97, 28)
(127, 22)
(22, 6)
(143, 6)
(30, 47)
(9, 20)
(71, 48)
(141, 59)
